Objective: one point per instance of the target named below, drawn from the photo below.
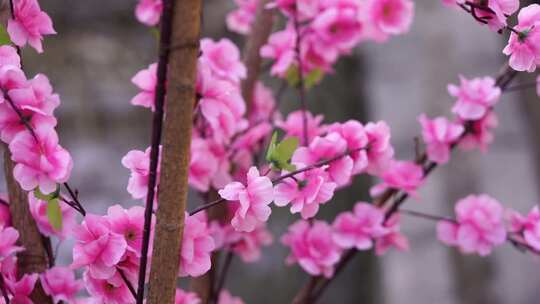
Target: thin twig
(301, 85)
(222, 277)
(128, 283)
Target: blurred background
(100, 46)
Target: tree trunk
(34, 259)
(186, 23)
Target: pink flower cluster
(479, 225)
(329, 29)
(27, 125)
(527, 227)
(317, 246)
(29, 24)
(524, 44)
(149, 12)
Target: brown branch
(260, 31)
(181, 23)
(34, 259)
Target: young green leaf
(4, 36)
(271, 147)
(47, 197)
(293, 76)
(285, 149)
(313, 78)
(54, 214)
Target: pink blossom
(305, 192)
(197, 247)
(203, 165)
(330, 147)
(41, 161)
(315, 54)
(392, 238)
(111, 291)
(339, 26)
(294, 125)
(22, 289)
(253, 138)
(240, 19)
(139, 164)
(254, 199)
(184, 297)
(524, 48)
(34, 99)
(388, 17)
(281, 47)
(500, 10)
(149, 11)
(312, 247)
(38, 209)
(380, 151)
(354, 134)
(402, 175)
(247, 245)
(439, 135)
(97, 246)
(479, 133)
(128, 223)
(221, 103)
(9, 56)
(146, 81)
(223, 58)
(303, 9)
(474, 97)
(60, 283)
(479, 225)
(226, 298)
(358, 229)
(8, 239)
(528, 226)
(29, 24)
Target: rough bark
(186, 20)
(34, 258)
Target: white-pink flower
(439, 134)
(29, 24)
(392, 237)
(254, 199)
(305, 192)
(527, 226)
(524, 47)
(223, 58)
(60, 283)
(139, 164)
(240, 19)
(184, 297)
(312, 247)
(474, 97)
(401, 175)
(197, 246)
(149, 11)
(357, 229)
(146, 81)
(478, 228)
(97, 247)
(40, 160)
(38, 209)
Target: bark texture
(184, 49)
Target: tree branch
(181, 23)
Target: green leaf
(54, 214)
(279, 155)
(271, 147)
(47, 197)
(4, 36)
(285, 149)
(293, 76)
(313, 78)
